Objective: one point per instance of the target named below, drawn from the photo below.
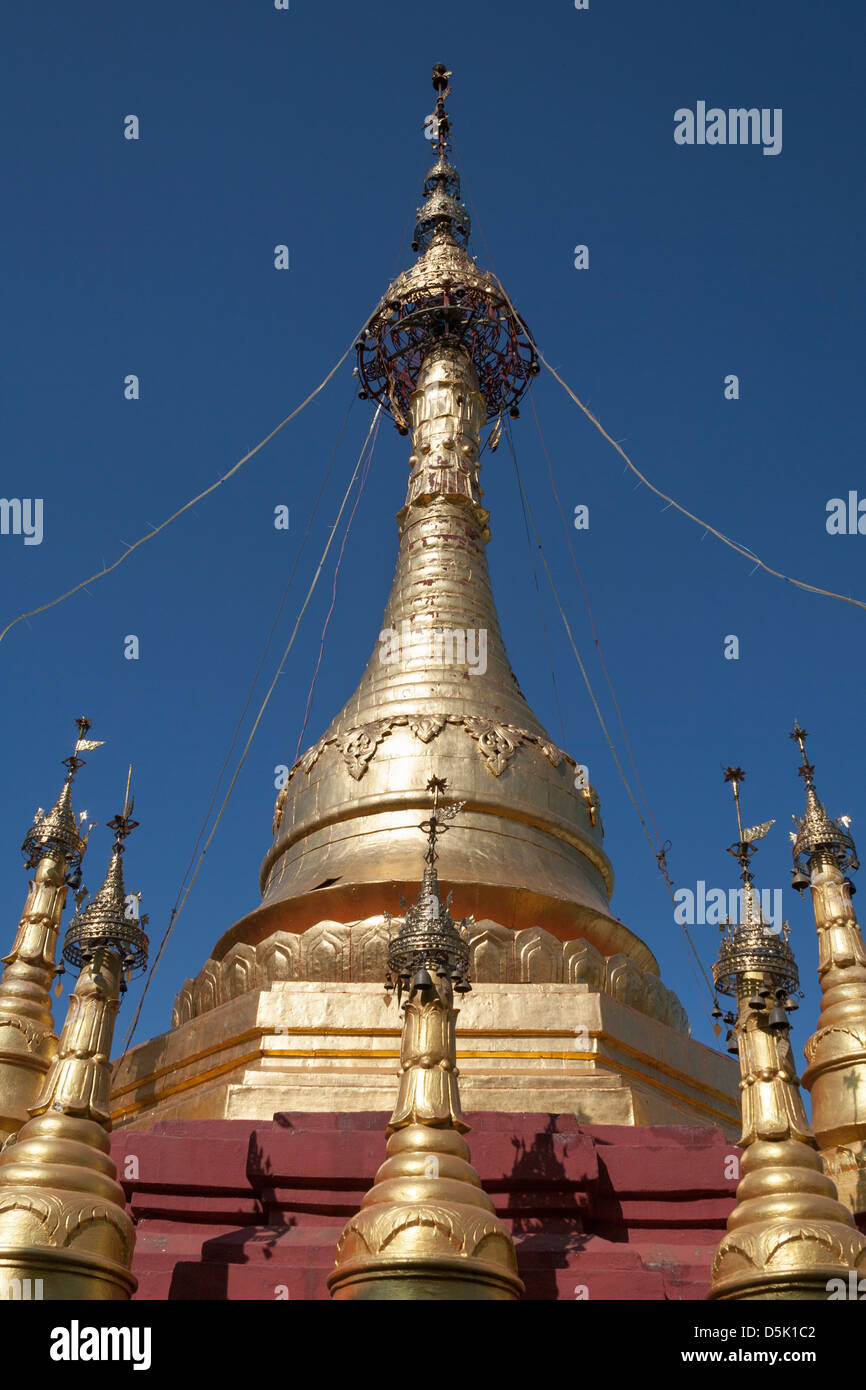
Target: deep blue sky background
(261, 127)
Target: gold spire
(788, 1235)
(445, 355)
(426, 1230)
(835, 1075)
(54, 846)
(62, 1212)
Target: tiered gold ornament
(835, 1076)
(446, 356)
(63, 1221)
(788, 1235)
(54, 846)
(426, 1230)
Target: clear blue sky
(304, 127)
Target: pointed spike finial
(806, 769)
(106, 922)
(441, 74)
(429, 939)
(817, 834)
(123, 824)
(56, 829)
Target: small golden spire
(788, 1235)
(53, 846)
(62, 1211)
(824, 854)
(426, 1230)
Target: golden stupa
(568, 1011)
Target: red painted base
(226, 1210)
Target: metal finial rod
(441, 75)
(742, 851)
(736, 775)
(123, 824)
(807, 770)
(437, 825)
(745, 846)
(73, 762)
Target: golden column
(788, 1235)
(835, 1076)
(54, 847)
(62, 1212)
(426, 1230)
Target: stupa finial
(53, 848)
(788, 1235)
(57, 1172)
(426, 1230)
(442, 211)
(824, 855)
(429, 940)
(444, 296)
(817, 834)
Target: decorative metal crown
(56, 830)
(442, 207)
(429, 939)
(817, 832)
(751, 951)
(108, 920)
(444, 296)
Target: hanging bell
(777, 1020)
(732, 1044)
(799, 880)
(422, 979)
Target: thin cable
(107, 569)
(660, 855)
(574, 648)
(264, 654)
(360, 494)
(540, 605)
(671, 501)
(598, 712)
(176, 916)
(595, 637)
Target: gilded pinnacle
(817, 834)
(426, 1230)
(835, 1074)
(109, 922)
(429, 940)
(788, 1235)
